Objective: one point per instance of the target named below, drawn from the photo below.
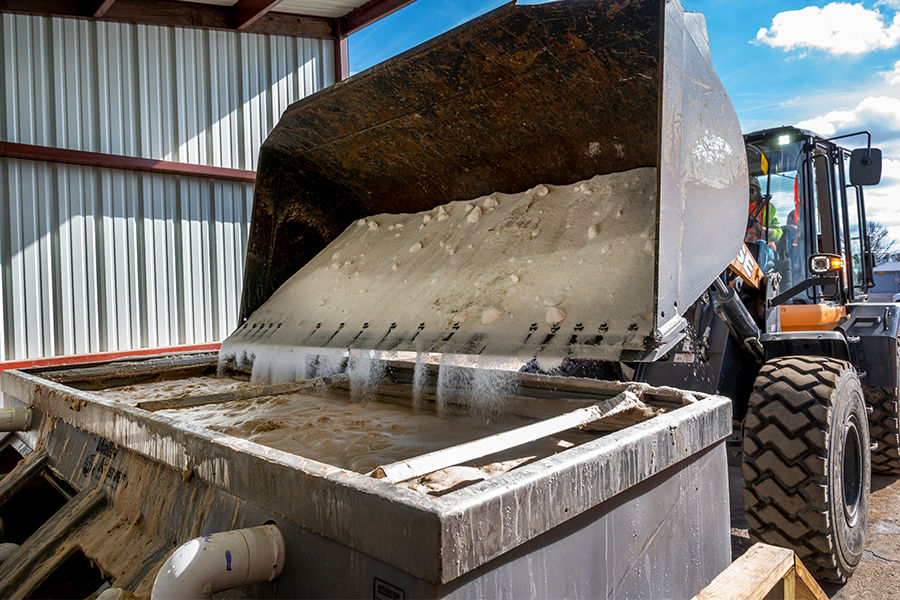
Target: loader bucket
(520, 114)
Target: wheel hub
(852, 475)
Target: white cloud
(882, 200)
(881, 116)
(838, 28)
(893, 76)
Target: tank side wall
(666, 537)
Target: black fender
(831, 344)
(872, 331)
(867, 338)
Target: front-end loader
(566, 182)
(810, 364)
(556, 94)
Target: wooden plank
(434, 461)
(553, 387)
(256, 391)
(40, 546)
(789, 582)
(778, 592)
(764, 572)
(97, 376)
(751, 576)
(807, 587)
(27, 469)
(66, 361)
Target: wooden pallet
(764, 573)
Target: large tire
(884, 426)
(884, 429)
(806, 462)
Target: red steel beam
(341, 52)
(247, 12)
(341, 60)
(126, 163)
(75, 359)
(368, 13)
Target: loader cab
(807, 180)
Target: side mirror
(865, 166)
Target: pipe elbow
(7, 550)
(15, 419)
(220, 561)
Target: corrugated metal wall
(95, 259)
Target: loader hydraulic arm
(738, 319)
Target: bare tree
(883, 246)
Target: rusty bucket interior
(522, 100)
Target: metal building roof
(330, 9)
(323, 19)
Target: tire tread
(785, 454)
(884, 428)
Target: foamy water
(359, 431)
(333, 429)
(190, 387)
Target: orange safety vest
(751, 235)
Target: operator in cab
(763, 228)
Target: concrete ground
(878, 575)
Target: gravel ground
(878, 575)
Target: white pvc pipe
(7, 550)
(212, 563)
(15, 419)
(405, 470)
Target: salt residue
(420, 380)
(365, 371)
(479, 383)
(277, 364)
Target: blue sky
(832, 67)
